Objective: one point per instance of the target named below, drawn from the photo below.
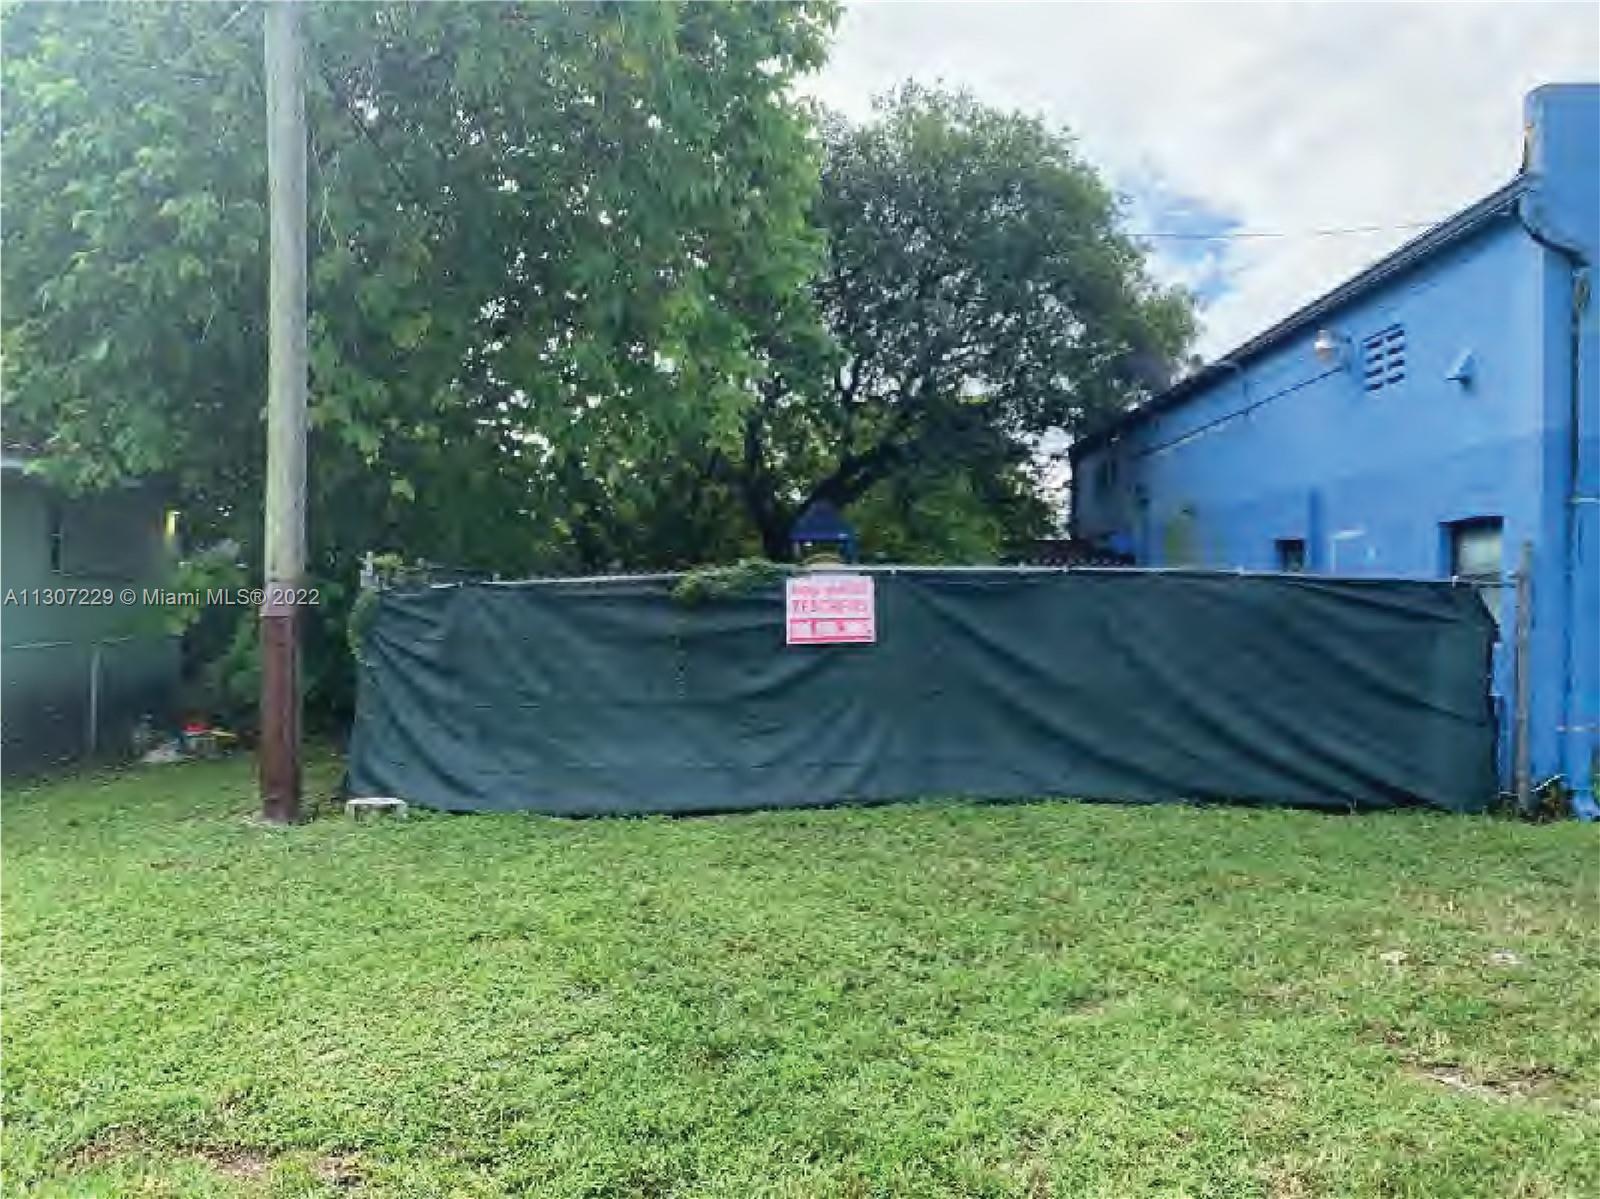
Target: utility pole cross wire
(286, 415)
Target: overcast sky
(1215, 118)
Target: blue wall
(1286, 446)
(1564, 212)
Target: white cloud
(1277, 117)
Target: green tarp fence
(589, 697)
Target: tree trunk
(775, 545)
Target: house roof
(1497, 204)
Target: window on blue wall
(1105, 476)
(1383, 358)
(1476, 556)
(1291, 554)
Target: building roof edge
(1499, 203)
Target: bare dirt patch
(341, 1171)
(235, 1161)
(106, 1146)
(1537, 1084)
(338, 1170)
(1287, 1182)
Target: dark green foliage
(958, 516)
(981, 297)
(221, 659)
(587, 292)
(545, 240)
(721, 582)
(362, 613)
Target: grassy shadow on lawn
(1050, 999)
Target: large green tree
(586, 288)
(546, 244)
(982, 300)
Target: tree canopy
(980, 296)
(546, 244)
(590, 286)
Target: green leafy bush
(724, 582)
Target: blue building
(1428, 418)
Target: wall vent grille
(1383, 358)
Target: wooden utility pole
(286, 415)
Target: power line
(203, 41)
(1243, 234)
(361, 127)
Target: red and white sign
(830, 610)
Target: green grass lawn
(1051, 999)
